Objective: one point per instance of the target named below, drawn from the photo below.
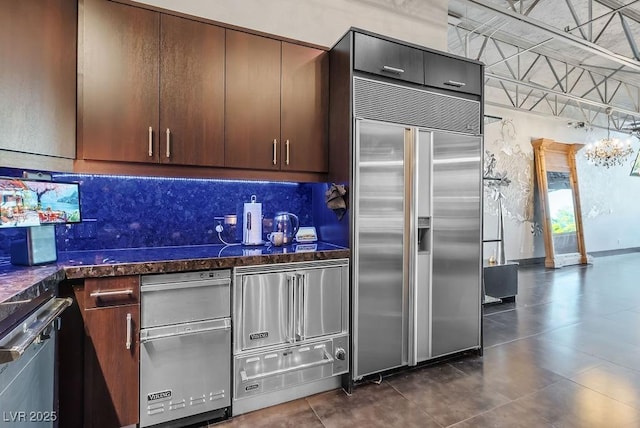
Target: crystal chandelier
(608, 151)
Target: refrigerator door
(380, 285)
(320, 298)
(456, 228)
(267, 316)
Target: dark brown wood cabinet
(252, 108)
(191, 92)
(152, 87)
(276, 110)
(38, 76)
(118, 71)
(305, 109)
(111, 314)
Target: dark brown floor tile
(370, 405)
(566, 404)
(293, 414)
(616, 382)
(510, 415)
(452, 401)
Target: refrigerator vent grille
(397, 104)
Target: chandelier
(608, 151)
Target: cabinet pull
(129, 332)
(392, 69)
(287, 159)
(275, 151)
(168, 143)
(455, 83)
(150, 141)
(101, 294)
(291, 280)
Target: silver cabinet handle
(168, 143)
(292, 316)
(287, 159)
(275, 151)
(455, 83)
(17, 346)
(392, 69)
(101, 294)
(150, 141)
(149, 338)
(129, 332)
(326, 359)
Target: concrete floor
(565, 354)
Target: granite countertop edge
(15, 282)
(185, 265)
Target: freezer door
(456, 251)
(380, 302)
(267, 316)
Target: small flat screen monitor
(25, 203)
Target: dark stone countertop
(16, 281)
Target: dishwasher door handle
(18, 345)
(327, 359)
(144, 338)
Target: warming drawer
(284, 368)
(185, 297)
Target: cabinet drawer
(101, 292)
(451, 73)
(388, 59)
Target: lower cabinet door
(320, 294)
(111, 366)
(266, 316)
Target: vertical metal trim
(409, 330)
(411, 202)
(430, 317)
(356, 242)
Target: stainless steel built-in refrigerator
(416, 244)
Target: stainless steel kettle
(287, 223)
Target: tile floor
(565, 354)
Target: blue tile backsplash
(138, 212)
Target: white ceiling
(567, 58)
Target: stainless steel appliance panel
(456, 242)
(267, 310)
(184, 297)
(379, 278)
(287, 367)
(27, 385)
(422, 247)
(184, 370)
(320, 299)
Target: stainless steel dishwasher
(185, 347)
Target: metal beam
(559, 34)
(561, 94)
(630, 37)
(575, 18)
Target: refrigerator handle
(301, 320)
(291, 280)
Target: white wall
(610, 197)
(323, 22)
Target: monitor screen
(26, 203)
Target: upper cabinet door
(38, 76)
(119, 82)
(445, 72)
(252, 119)
(388, 59)
(305, 105)
(191, 92)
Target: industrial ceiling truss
(566, 58)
